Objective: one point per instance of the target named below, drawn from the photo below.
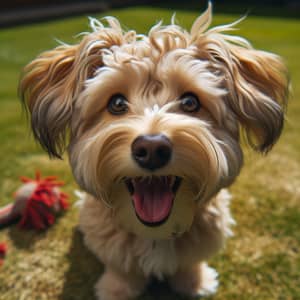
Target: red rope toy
(37, 202)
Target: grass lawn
(261, 261)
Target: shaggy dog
(153, 124)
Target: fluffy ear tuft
(47, 90)
(52, 82)
(257, 84)
(259, 99)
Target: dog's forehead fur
(154, 68)
(158, 67)
(149, 81)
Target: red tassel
(37, 203)
(45, 201)
(3, 250)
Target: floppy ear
(47, 89)
(51, 83)
(256, 81)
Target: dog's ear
(51, 83)
(256, 81)
(47, 89)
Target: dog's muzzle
(153, 196)
(157, 207)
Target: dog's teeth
(130, 184)
(132, 180)
(166, 180)
(172, 180)
(169, 180)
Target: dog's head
(153, 122)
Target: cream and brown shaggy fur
(191, 92)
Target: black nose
(151, 151)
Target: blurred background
(22, 11)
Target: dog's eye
(117, 105)
(189, 103)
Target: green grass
(262, 261)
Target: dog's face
(154, 121)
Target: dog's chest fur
(159, 258)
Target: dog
(153, 126)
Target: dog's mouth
(153, 197)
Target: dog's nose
(151, 151)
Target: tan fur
(67, 91)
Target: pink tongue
(152, 199)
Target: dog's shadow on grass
(83, 273)
(159, 290)
(24, 239)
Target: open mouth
(153, 197)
